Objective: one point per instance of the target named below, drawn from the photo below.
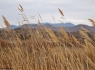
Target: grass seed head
(61, 12)
(92, 21)
(6, 21)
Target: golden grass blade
(61, 12)
(84, 35)
(92, 21)
(85, 30)
(18, 40)
(63, 32)
(6, 21)
(74, 39)
(53, 36)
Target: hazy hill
(64, 24)
(78, 27)
(68, 26)
(71, 27)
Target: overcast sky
(75, 11)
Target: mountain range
(67, 26)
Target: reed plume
(21, 8)
(61, 12)
(92, 21)
(6, 21)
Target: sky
(75, 11)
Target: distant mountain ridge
(14, 26)
(67, 26)
(73, 28)
(79, 27)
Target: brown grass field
(47, 50)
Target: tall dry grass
(46, 51)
